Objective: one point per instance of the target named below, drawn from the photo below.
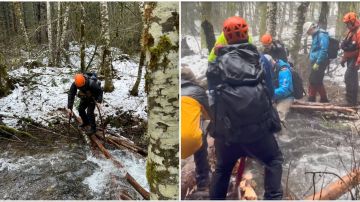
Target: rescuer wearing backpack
(319, 61)
(284, 90)
(351, 57)
(90, 94)
(244, 118)
(194, 109)
(275, 48)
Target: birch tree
(300, 15)
(63, 34)
(19, 16)
(162, 86)
(271, 17)
(106, 55)
(50, 36)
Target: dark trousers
(351, 82)
(202, 165)
(266, 150)
(87, 117)
(316, 78)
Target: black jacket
(277, 51)
(195, 91)
(92, 89)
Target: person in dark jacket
(263, 146)
(351, 46)
(265, 61)
(190, 88)
(319, 61)
(90, 94)
(275, 48)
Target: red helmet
(350, 17)
(235, 29)
(266, 39)
(79, 80)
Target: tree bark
(106, 56)
(19, 16)
(208, 30)
(324, 13)
(50, 36)
(271, 17)
(295, 46)
(58, 33)
(82, 38)
(63, 35)
(262, 11)
(162, 87)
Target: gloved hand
(315, 67)
(342, 63)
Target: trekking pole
(101, 119)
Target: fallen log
(336, 189)
(138, 187)
(300, 102)
(324, 108)
(8, 130)
(128, 145)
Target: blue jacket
(285, 87)
(319, 47)
(269, 74)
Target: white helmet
(307, 26)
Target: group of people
(245, 84)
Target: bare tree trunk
(208, 30)
(324, 13)
(263, 12)
(282, 9)
(106, 57)
(295, 46)
(162, 87)
(291, 12)
(19, 16)
(63, 34)
(58, 33)
(82, 38)
(272, 16)
(50, 36)
(135, 90)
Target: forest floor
(58, 165)
(316, 141)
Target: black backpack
(299, 90)
(333, 48)
(92, 77)
(242, 108)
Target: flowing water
(65, 170)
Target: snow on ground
(48, 91)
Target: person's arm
(285, 85)
(71, 96)
(324, 45)
(358, 45)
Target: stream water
(65, 170)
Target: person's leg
(202, 169)
(226, 157)
(312, 85)
(321, 88)
(82, 107)
(283, 108)
(267, 151)
(91, 116)
(351, 82)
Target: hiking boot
(324, 100)
(311, 99)
(91, 131)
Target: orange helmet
(79, 80)
(350, 17)
(235, 29)
(266, 39)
